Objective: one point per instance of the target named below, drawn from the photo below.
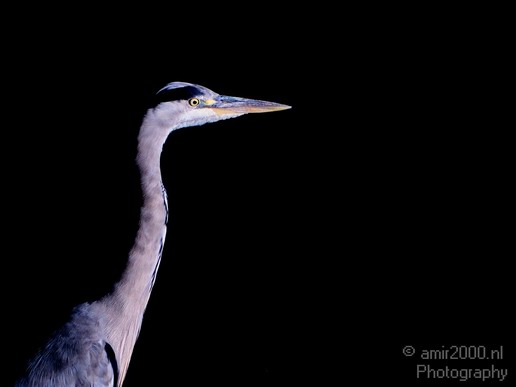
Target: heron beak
(233, 105)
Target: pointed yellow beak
(235, 105)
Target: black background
(306, 244)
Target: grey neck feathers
(131, 294)
(136, 283)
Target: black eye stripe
(182, 93)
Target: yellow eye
(194, 101)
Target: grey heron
(95, 346)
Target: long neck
(126, 304)
(135, 286)
(138, 279)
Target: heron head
(196, 105)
